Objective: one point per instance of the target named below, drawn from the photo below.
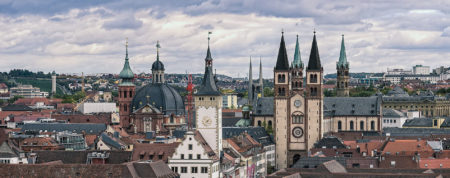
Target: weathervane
(209, 33)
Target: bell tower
(314, 96)
(208, 107)
(297, 70)
(342, 67)
(126, 92)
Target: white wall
(87, 108)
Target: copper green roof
(297, 62)
(342, 63)
(126, 74)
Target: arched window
(295, 158)
(270, 123)
(361, 125)
(279, 91)
(351, 125)
(372, 125)
(171, 118)
(124, 94)
(131, 94)
(259, 123)
(339, 125)
(125, 107)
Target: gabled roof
(144, 151)
(314, 58)
(115, 143)
(282, 60)
(6, 151)
(80, 157)
(59, 127)
(263, 107)
(392, 113)
(418, 122)
(257, 133)
(352, 106)
(329, 142)
(199, 137)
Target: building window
(361, 125)
(204, 170)
(270, 123)
(351, 125)
(131, 94)
(259, 123)
(198, 156)
(160, 157)
(435, 123)
(183, 169)
(190, 146)
(182, 156)
(190, 156)
(313, 78)
(175, 169)
(124, 94)
(339, 125)
(194, 170)
(297, 119)
(372, 125)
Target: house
(195, 158)
(393, 118)
(110, 142)
(153, 151)
(39, 143)
(9, 156)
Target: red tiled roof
(90, 139)
(80, 118)
(3, 86)
(430, 163)
(146, 150)
(407, 147)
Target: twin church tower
(298, 103)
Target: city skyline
(89, 37)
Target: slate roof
(14, 107)
(257, 133)
(417, 132)
(314, 58)
(208, 86)
(392, 113)
(397, 91)
(313, 162)
(329, 142)
(352, 106)
(59, 127)
(263, 107)
(156, 169)
(229, 122)
(162, 95)
(110, 141)
(418, 122)
(282, 60)
(6, 151)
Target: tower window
(351, 125)
(339, 125)
(131, 94)
(124, 94)
(361, 125)
(372, 125)
(296, 119)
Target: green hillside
(43, 84)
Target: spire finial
(157, 50)
(314, 31)
(126, 48)
(209, 38)
(282, 31)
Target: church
(156, 107)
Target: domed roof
(158, 65)
(159, 95)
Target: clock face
(206, 121)
(297, 132)
(297, 103)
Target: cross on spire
(126, 48)
(157, 50)
(209, 37)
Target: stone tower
(298, 116)
(342, 67)
(126, 92)
(297, 70)
(208, 107)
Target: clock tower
(208, 107)
(298, 114)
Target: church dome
(159, 95)
(158, 65)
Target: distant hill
(352, 75)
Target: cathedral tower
(298, 116)
(342, 67)
(126, 92)
(261, 80)
(297, 70)
(250, 84)
(208, 107)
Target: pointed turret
(282, 60)
(342, 63)
(208, 86)
(250, 83)
(314, 58)
(261, 82)
(126, 74)
(297, 62)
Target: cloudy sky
(74, 36)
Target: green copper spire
(126, 74)
(297, 62)
(342, 63)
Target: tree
(14, 99)
(268, 92)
